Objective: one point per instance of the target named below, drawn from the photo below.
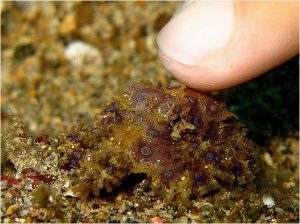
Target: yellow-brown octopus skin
(185, 142)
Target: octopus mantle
(185, 142)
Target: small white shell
(268, 200)
(78, 53)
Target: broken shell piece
(268, 200)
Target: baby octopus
(185, 142)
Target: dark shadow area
(211, 193)
(128, 184)
(268, 105)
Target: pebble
(22, 220)
(268, 200)
(156, 219)
(268, 159)
(182, 219)
(280, 211)
(288, 184)
(68, 25)
(11, 209)
(78, 53)
(70, 193)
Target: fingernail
(197, 31)
(185, 4)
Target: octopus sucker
(185, 142)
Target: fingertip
(187, 40)
(260, 40)
(196, 31)
(201, 78)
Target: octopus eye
(146, 151)
(140, 98)
(197, 121)
(168, 174)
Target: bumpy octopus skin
(185, 142)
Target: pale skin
(211, 45)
